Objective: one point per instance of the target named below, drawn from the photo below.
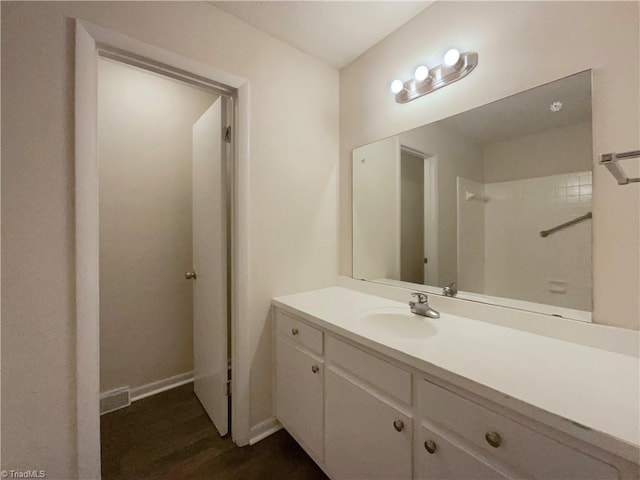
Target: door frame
(91, 42)
(431, 237)
(431, 217)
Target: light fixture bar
(439, 77)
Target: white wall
(144, 146)
(559, 150)
(293, 162)
(520, 45)
(471, 235)
(456, 156)
(376, 210)
(376, 188)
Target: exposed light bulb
(451, 57)
(421, 73)
(397, 86)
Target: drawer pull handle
(430, 446)
(493, 438)
(315, 369)
(398, 425)
(294, 331)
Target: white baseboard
(264, 429)
(153, 388)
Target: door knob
(191, 275)
(398, 425)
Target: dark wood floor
(169, 437)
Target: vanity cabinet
(362, 415)
(370, 396)
(368, 433)
(366, 437)
(506, 441)
(299, 390)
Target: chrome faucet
(450, 290)
(421, 307)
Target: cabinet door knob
(398, 425)
(315, 368)
(294, 331)
(430, 446)
(493, 438)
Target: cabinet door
(362, 441)
(442, 459)
(299, 394)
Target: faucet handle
(422, 297)
(450, 290)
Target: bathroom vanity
(371, 391)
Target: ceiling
(335, 32)
(528, 112)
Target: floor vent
(114, 400)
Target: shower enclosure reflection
(464, 200)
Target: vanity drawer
(387, 377)
(441, 458)
(299, 332)
(537, 455)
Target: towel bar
(610, 160)
(546, 233)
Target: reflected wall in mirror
(464, 200)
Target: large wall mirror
(496, 200)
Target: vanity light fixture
(421, 73)
(426, 80)
(451, 57)
(397, 86)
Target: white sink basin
(397, 322)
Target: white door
(210, 266)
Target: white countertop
(591, 393)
